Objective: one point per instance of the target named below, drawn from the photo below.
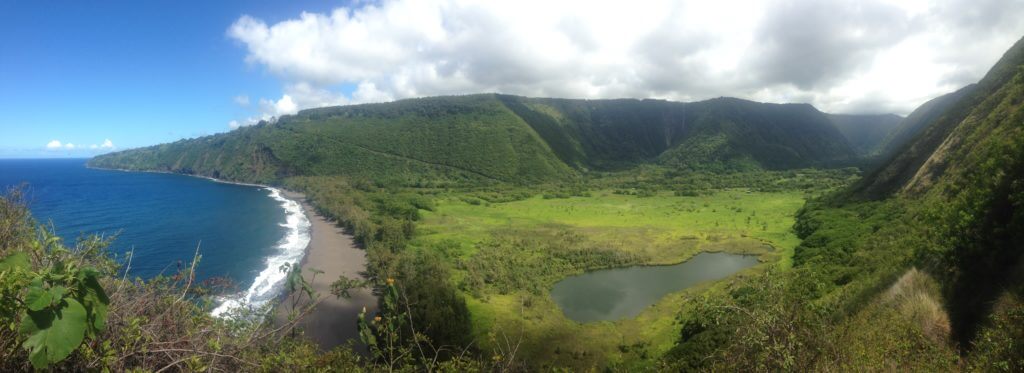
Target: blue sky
(134, 72)
(140, 73)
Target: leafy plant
(59, 303)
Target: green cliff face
(499, 138)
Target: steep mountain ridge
(502, 138)
(721, 133)
(410, 141)
(918, 120)
(912, 165)
(962, 179)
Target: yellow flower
(391, 281)
(376, 319)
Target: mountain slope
(964, 175)
(968, 104)
(920, 118)
(442, 138)
(500, 138)
(723, 133)
(950, 203)
(866, 133)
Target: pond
(613, 294)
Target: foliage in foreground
(74, 309)
(65, 308)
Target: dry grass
(916, 296)
(903, 329)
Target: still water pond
(614, 294)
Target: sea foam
(290, 249)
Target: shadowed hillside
(919, 119)
(946, 114)
(866, 133)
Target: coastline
(330, 250)
(334, 252)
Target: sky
(82, 78)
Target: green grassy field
(662, 229)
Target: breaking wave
(290, 249)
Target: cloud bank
(54, 145)
(869, 56)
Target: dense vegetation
(949, 204)
(476, 205)
(919, 120)
(438, 141)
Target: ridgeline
(508, 139)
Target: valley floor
(508, 255)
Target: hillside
(949, 112)
(973, 180)
(918, 267)
(499, 138)
(723, 133)
(866, 133)
(411, 141)
(919, 119)
(961, 178)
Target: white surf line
(290, 249)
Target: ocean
(244, 233)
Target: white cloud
(843, 55)
(283, 106)
(297, 96)
(234, 124)
(242, 100)
(58, 145)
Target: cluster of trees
(532, 261)
(383, 221)
(801, 319)
(649, 179)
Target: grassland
(540, 239)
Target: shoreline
(331, 250)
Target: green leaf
(16, 260)
(57, 293)
(95, 299)
(37, 298)
(53, 334)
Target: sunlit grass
(664, 229)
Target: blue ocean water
(241, 230)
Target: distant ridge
(867, 133)
(503, 138)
